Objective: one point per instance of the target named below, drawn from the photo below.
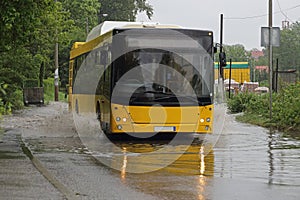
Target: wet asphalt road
(247, 162)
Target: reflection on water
(284, 159)
(192, 168)
(254, 153)
(196, 160)
(153, 156)
(245, 158)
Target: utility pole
(56, 77)
(270, 53)
(221, 33)
(222, 55)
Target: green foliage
(285, 112)
(11, 84)
(286, 107)
(2, 93)
(289, 47)
(30, 29)
(49, 89)
(16, 100)
(237, 53)
(84, 14)
(258, 104)
(10, 101)
(31, 83)
(238, 103)
(120, 10)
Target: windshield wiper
(189, 98)
(167, 95)
(157, 92)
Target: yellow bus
(144, 78)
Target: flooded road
(248, 162)
(244, 162)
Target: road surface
(42, 157)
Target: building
(240, 71)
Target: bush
(49, 91)
(2, 92)
(285, 108)
(238, 103)
(10, 101)
(259, 105)
(31, 83)
(16, 100)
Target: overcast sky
(242, 18)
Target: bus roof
(110, 25)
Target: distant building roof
(262, 68)
(257, 54)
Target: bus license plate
(164, 128)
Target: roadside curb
(39, 166)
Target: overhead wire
(285, 15)
(264, 15)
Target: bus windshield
(151, 74)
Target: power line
(286, 17)
(263, 15)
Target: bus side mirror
(215, 50)
(222, 57)
(103, 58)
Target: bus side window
(107, 81)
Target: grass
(50, 97)
(49, 92)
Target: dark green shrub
(238, 103)
(10, 97)
(16, 100)
(49, 89)
(286, 107)
(31, 83)
(258, 104)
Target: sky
(243, 19)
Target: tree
(236, 53)
(84, 14)
(29, 30)
(289, 48)
(123, 10)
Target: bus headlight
(208, 119)
(119, 127)
(201, 120)
(124, 119)
(118, 119)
